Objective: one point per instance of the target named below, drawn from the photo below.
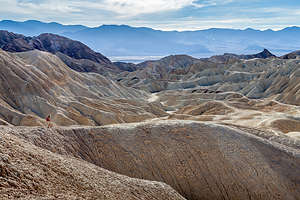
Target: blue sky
(159, 14)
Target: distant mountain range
(123, 40)
(81, 58)
(33, 27)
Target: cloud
(36, 7)
(121, 8)
(133, 7)
(129, 8)
(159, 14)
(57, 6)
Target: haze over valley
(138, 44)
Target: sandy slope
(200, 161)
(31, 172)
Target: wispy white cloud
(133, 7)
(124, 8)
(57, 6)
(159, 14)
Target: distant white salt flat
(134, 59)
(139, 59)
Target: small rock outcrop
(264, 54)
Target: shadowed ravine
(199, 160)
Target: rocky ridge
(252, 78)
(66, 49)
(35, 84)
(200, 161)
(227, 57)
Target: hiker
(48, 120)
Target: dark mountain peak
(13, 42)
(230, 56)
(54, 44)
(266, 51)
(264, 54)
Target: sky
(159, 14)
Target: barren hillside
(31, 172)
(200, 161)
(35, 84)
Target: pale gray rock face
(200, 161)
(35, 84)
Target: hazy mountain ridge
(34, 27)
(115, 40)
